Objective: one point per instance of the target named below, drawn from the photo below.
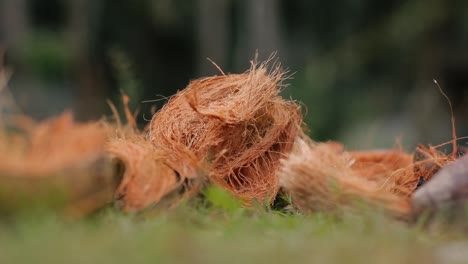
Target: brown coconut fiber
(58, 164)
(145, 177)
(322, 177)
(235, 127)
(146, 174)
(50, 145)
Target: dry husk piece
(56, 164)
(50, 145)
(393, 169)
(238, 124)
(320, 177)
(147, 175)
(324, 177)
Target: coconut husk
(325, 177)
(145, 172)
(237, 124)
(57, 163)
(321, 177)
(392, 168)
(147, 175)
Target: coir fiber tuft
(237, 125)
(322, 177)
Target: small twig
(115, 113)
(452, 118)
(131, 121)
(217, 66)
(2, 71)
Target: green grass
(218, 230)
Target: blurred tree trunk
(263, 27)
(13, 24)
(90, 92)
(212, 34)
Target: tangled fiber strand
(320, 177)
(238, 124)
(428, 160)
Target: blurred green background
(362, 68)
